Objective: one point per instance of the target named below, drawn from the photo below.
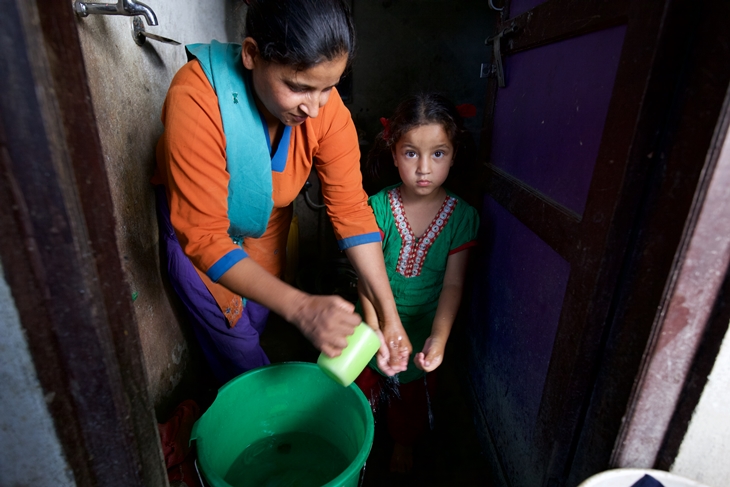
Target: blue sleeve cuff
(365, 238)
(224, 263)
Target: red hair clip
(466, 110)
(386, 127)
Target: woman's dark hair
(417, 110)
(301, 33)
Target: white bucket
(626, 477)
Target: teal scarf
(248, 160)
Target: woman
(243, 126)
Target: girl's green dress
(416, 265)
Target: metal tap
(122, 7)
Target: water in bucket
(284, 425)
(290, 459)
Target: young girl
(426, 233)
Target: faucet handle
(139, 34)
(122, 7)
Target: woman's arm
(370, 317)
(373, 285)
(326, 321)
(338, 168)
(449, 300)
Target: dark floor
(449, 455)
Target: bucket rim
(359, 459)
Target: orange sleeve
(338, 166)
(191, 163)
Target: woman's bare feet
(402, 459)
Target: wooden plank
(553, 223)
(676, 160)
(65, 276)
(58, 24)
(639, 197)
(23, 271)
(639, 105)
(685, 313)
(557, 20)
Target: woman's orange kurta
(191, 164)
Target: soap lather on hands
(395, 347)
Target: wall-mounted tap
(122, 7)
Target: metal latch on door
(497, 68)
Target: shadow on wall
(406, 46)
(235, 20)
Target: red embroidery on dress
(413, 251)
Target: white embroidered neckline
(413, 251)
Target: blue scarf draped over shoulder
(248, 160)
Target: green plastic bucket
(284, 425)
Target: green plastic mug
(361, 347)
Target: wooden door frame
(686, 154)
(690, 324)
(666, 47)
(59, 253)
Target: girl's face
(289, 95)
(423, 157)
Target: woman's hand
(326, 321)
(431, 356)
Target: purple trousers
(229, 351)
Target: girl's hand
(326, 321)
(397, 349)
(431, 356)
(379, 306)
(383, 356)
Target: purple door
(562, 178)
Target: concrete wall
(32, 453)
(128, 85)
(705, 449)
(406, 46)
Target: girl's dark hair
(417, 110)
(301, 33)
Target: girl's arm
(326, 321)
(373, 285)
(449, 300)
